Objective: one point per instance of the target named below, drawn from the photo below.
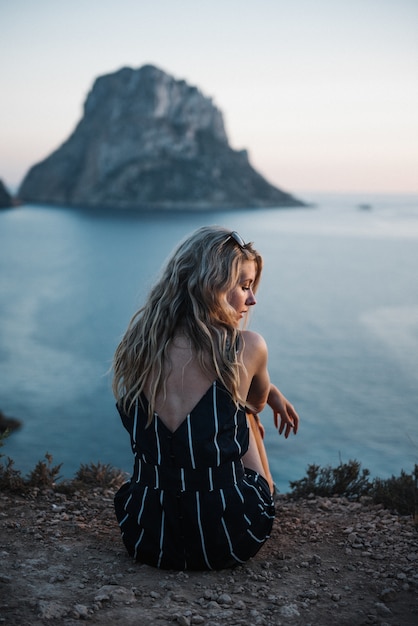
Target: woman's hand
(289, 419)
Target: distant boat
(365, 207)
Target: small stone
(51, 610)
(382, 609)
(315, 559)
(289, 610)
(179, 597)
(4, 578)
(213, 605)
(81, 611)
(224, 598)
(240, 605)
(116, 594)
(325, 505)
(57, 508)
(388, 595)
(101, 597)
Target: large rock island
(149, 141)
(6, 200)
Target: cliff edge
(149, 141)
(327, 562)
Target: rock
(289, 610)
(6, 200)
(116, 594)
(388, 595)
(4, 578)
(149, 141)
(213, 605)
(311, 594)
(8, 423)
(52, 610)
(224, 598)
(382, 609)
(240, 605)
(315, 560)
(81, 611)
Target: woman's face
(241, 296)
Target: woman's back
(185, 383)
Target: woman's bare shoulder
(254, 341)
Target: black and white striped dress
(190, 503)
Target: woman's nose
(250, 299)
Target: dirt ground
(327, 562)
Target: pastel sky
(322, 93)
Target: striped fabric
(190, 504)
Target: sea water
(338, 307)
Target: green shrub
(11, 478)
(398, 494)
(99, 475)
(44, 475)
(343, 480)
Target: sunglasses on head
(237, 238)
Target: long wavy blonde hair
(190, 298)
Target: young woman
(189, 384)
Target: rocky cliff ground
(149, 141)
(328, 562)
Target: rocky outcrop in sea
(149, 141)
(6, 200)
(8, 424)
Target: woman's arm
(255, 379)
(261, 391)
(289, 419)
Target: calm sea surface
(338, 306)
